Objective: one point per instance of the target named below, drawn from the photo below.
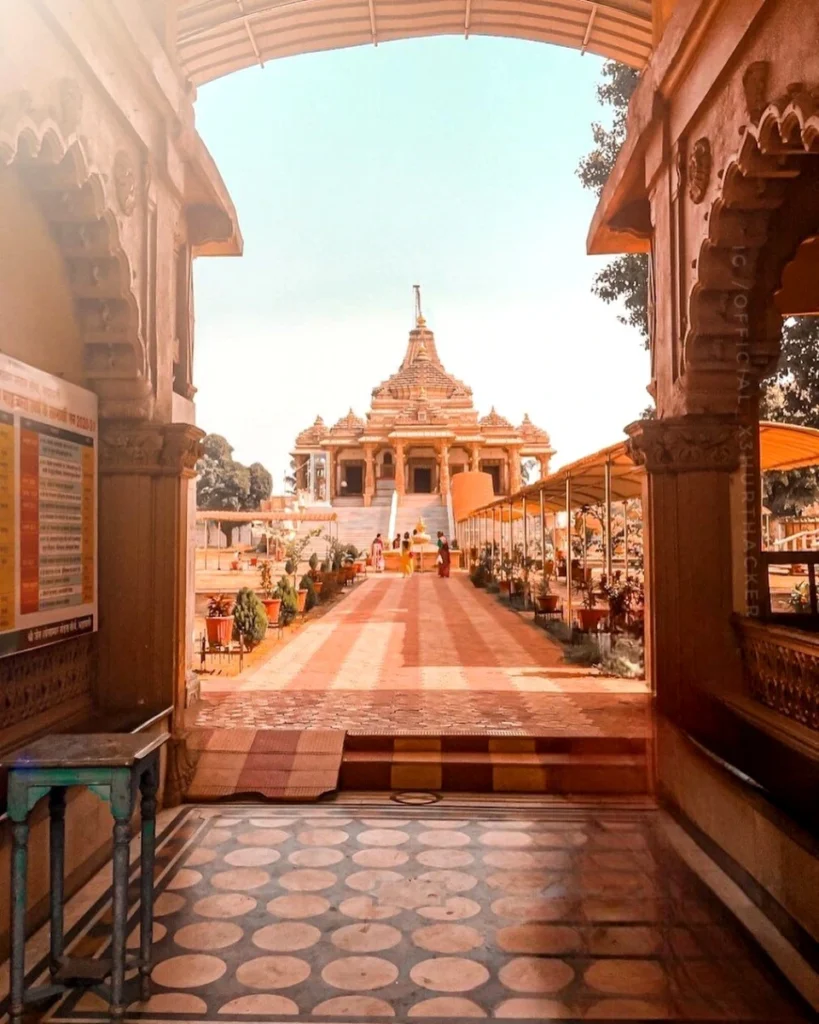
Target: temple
(422, 429)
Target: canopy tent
(783, 446)
(276, 516)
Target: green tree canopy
(226, 485)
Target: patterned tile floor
(424, 654)
(452, 912)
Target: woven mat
(278, 764)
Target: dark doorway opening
(495, 473)
(422, 480)
(354, 477)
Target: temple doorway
(353, 480)
(422, 480)
(494, 470)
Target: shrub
(266, 579)
(286, 593)
(289, 567)
(219, 606)
(312, 597)
(249, 618)
(313, 562)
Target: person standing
(406, 558)
(444, 558)
(377, 553)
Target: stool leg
(57, 865)
(19, 880)
(122, 838)
(147, 787)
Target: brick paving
(424, 654)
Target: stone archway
(80, 204)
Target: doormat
(278, 764)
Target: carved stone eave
(169, 449)
(685, 444)
(218, 230)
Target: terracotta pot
(234, 566)
(220, 630)
(254, 562)
(548, 602)
(341, 576)
(349, 572)
(302, 599)
(317, 585)
(272, 605)
(590, 618)
(359, 568)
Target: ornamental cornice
(167, 449)
(685, 444)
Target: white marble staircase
(428, 507)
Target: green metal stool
(115, 766)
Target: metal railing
(793, 542)
(810, 609)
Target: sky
(358, 173)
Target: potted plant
(219, 621)
(272, 604)
(307, 594)
(249, 618)
(286, 593)
(589, 616)
(546, 601)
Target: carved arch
(53, 162)
(741, 258)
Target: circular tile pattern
(168, 903)
(365, 908)
(447, 938)
(208, 935)
(159, 932)
(446, 824)
(286, 936)
(520, 882)
(385, 822)
(522, 1008)
(215, 837)
(626, 977)
(201, 855)
(307, 880)
(506, 839)
(369, 881)
(382, 837)
(253, 857)
(353, 1006)
(184, 879)
(297, 905)
(315, 857)
(444, 839)
(530, 974)
(360, 973)
(168, 1002)
(450, 881)
(455, 908)
(323, 837)
(522, 908)
(380, 858)
(260, 1003)
(240, 879)
(230, 905)
(445, 858)
(539, 938)
(449, 974)
(273, 823)
(365, 937)
(262, 837)
(273, 972)
(193, 970)
(447, 1006)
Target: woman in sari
(443, 559)
(377, 553)
(406, 558)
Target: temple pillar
(475, 458)
(689, 558)
(443, 471)
(513, 463)
(400, 470)
(147, 471)
(369, 474)
(331, 474)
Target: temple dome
(531, 433)
(313, 435)
(349, 424)
(494, 419)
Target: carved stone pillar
(400, 482)
(331, 474)
(146, 472)
(513, 456)
(369, 473)
(689, 555)
(443, 471)
(475, 458)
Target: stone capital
(685, 444)
(150, 449)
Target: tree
(261, 484)
(791, 395)
(224, 485)
(626, 277)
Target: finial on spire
(419, 317)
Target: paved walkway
(424, 654)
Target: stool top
(97, 750)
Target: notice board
(48, 508)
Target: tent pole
(607, 487)
(569, 550)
